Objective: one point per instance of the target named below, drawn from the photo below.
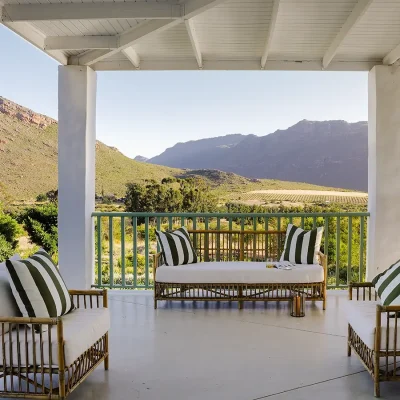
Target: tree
(171, 195)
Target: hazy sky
(146, 112)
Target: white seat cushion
(361, 315)
(238, 272)
(82, 328)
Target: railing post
(111, 249)
(337, 283)
(123, 282)
(99, 252)
(349, 252)
(135, 251)
(146, 252)
(361, 248)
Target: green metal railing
(125, 242)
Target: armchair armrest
(365, 288)
(29, 321)
(387, 317)
(89, 298)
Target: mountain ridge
(330, 153)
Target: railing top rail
(227, 215)
(250, 232)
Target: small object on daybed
(374, 325)
(57, 351)
(231, 268)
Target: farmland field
(259, 197)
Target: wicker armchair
(374, 334)
(41, 358)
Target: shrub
(41, 225)
(6, 249)
(48, 239)
(9, 229)
(41, 198)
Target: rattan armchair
(33, 360)
(382, 357)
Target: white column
(76, 174)
(383, 247)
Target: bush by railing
(124, 247)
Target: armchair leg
(106, 359)
(61, 384)
(348, 341)
(377, 389)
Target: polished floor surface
(197, 351)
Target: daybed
(374, 333)
(47, 358)
(233, 268)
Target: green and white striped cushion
(302, 247)
(38, 287)
(387, 285)
(177, 247)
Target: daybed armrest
(323, 260)
(156, 263)
(365, 288)
(89, 298)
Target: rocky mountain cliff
(24, 114)
(329, 153)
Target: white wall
(76, 173)
(383, 247)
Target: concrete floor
(197, 351)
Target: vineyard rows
(301, 198)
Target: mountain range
(329, 153)
(28, 162)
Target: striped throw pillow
(302, 247)
(38, 287)
(387, 285)
(177, 247)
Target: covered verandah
(287, 35)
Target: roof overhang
(292, 35)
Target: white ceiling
(206, 34)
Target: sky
(143, 112)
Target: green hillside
(28, 163)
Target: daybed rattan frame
(382, 364)
(222, 245)
(38, 381)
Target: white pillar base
(383, 246)
(76, 174)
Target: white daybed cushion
(8, 305)
(361, 315)
(82, 328)
(238, 272)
